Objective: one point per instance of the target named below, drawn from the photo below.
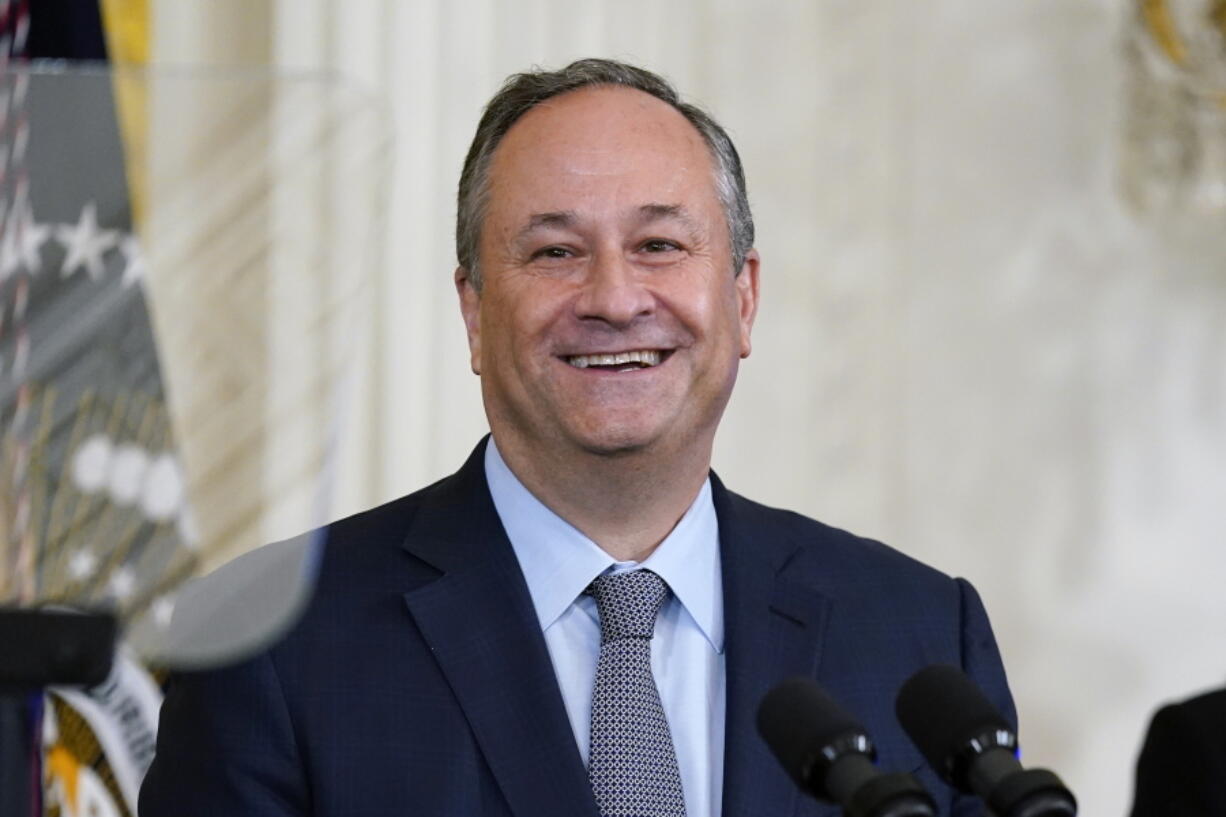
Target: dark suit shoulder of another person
(1181, 769)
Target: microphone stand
(16, 746)
(38, 649)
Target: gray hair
(522, 92)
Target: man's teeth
(646, 357)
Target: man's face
(609, 318)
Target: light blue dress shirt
(687, 653)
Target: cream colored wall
(967, 347)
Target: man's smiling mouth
(622, 361)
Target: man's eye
(552, 252)
(659, 245)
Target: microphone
(830, 756)
(973, 749)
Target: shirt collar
(559, 562)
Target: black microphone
(971, 746)
(830, 756)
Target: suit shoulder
(364, 550)
(378, 533)
(1203, 715)
(1207, 704)
(837, 553)
(387, 517)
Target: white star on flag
(84, 243)
(30, 238)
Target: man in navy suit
(453, 660)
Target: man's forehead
(596, 125)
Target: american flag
(92, 489)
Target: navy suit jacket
(418, 681)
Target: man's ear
(747, 298)
(470, 309)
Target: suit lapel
(478, 620)
(773, 630)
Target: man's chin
(615, 440)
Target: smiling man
(606, 310)
(582, 620)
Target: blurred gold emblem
(1174, 150)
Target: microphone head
(808, 732)
(950, 720)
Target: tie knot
(628, 603)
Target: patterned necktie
(633, 766)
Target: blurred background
(993, 323)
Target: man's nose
(614, 291)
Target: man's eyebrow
(560, 218)
(662, 212)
